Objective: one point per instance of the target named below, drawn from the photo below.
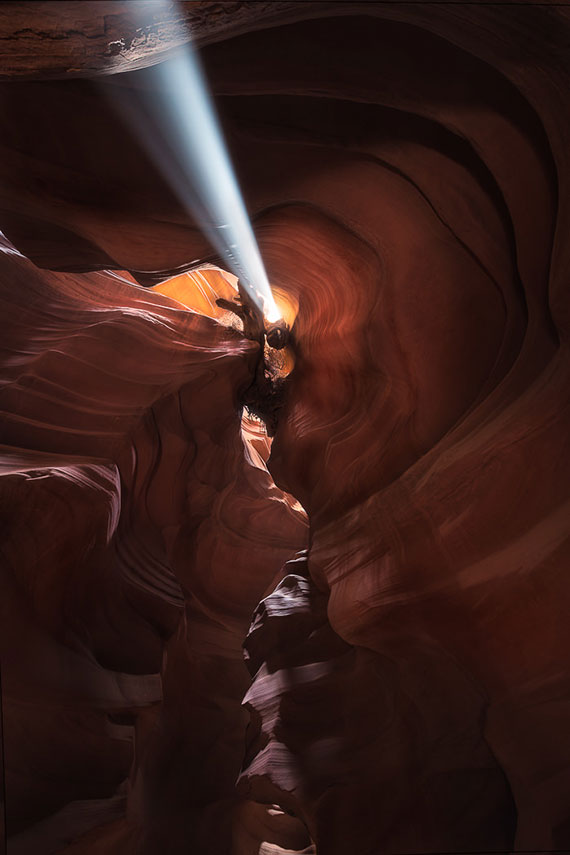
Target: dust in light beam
(176, 122)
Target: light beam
(177, 124)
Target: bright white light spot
(271, 312)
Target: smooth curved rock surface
(406, 168)
(126, 494)
(415, 770)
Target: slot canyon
(327, 616)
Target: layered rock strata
(406, 168)
(139, 534)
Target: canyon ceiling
(351, 638)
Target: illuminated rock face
(384, 735)
(407, 169)
(138, 538)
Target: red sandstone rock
(414, 772)
(123, 453)
(407, 170)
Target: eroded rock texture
(138, 537)
(406, 167)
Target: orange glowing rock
(199, 289)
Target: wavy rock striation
(406, 168)
(138, 537)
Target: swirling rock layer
(407, 772)
(406, 168)
(138, 537)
